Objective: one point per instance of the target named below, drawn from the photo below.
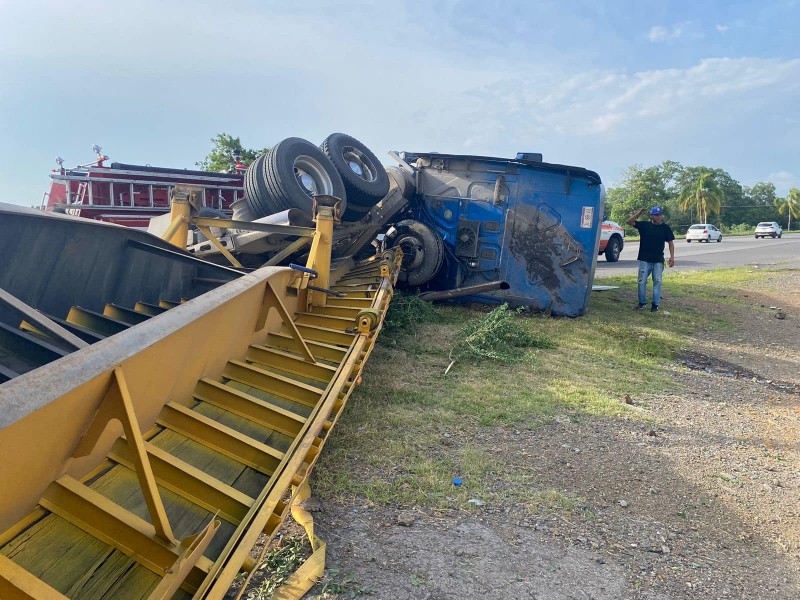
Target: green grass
(410, 428)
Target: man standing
(653, 235)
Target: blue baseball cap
(656, 210)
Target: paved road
(731, 252)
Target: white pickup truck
(612, 240)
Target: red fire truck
(132, 194)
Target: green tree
(732, 197)
(221, 159)
(789, 206)
(641, 187)
(759, 202)
(701, 193)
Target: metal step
(321, 351)
(148, 309)
(287, 362)
(95, 321)
(124, 315)
(324, 334)
(351, 302)
(317, 319)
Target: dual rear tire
(289, 176)
(364, 177)
(295, 170)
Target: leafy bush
(498, 336)
(741, 228)
(406, 312)
(278, 566)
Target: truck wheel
(254, 192)
(688, 241)
(423, 252)
(613, 249)
(354, 212)
(365, 179)
(293, 172)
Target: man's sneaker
(641, 306)
(654, 308)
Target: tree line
(691, 195)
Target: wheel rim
(413, 252)
(312, 176)
(359, 163)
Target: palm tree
(703, 194)
(789, 206)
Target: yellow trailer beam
(156, 457)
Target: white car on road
(768, 228)
(704, 232)
(612, 240)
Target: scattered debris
(406, 519)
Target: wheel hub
(359, 163)
(413, 252)
(312, 176)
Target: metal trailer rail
(147, 465)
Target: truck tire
(354, 212)
(613, 249)
(423, 252)
(254, 191)
(364, 177)
(293, 172)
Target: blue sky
(593, 84)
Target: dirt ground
(699, 500)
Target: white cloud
(784, 181)
(722, 28)
(594, 102)
(724, 112)
(660, 33)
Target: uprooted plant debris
(698, 361)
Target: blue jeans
(646, 269)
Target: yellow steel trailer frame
(147, 465)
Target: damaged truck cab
(514, 230)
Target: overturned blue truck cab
(518, 230)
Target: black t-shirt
(653, 238)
